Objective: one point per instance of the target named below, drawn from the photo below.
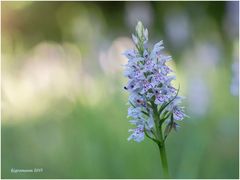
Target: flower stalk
(164, 161)
(161, 144)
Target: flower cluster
(153, 100)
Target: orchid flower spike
(151, 94)
(154, 101)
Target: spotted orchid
(154, 101)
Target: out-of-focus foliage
(63, 105)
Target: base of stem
(163, 156)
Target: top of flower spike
(141, 37)
(141, 32)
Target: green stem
(164, 159)
(161, 142)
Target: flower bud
(139, 30)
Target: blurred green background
(63, 104)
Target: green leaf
(169, 127)
(132, 104)
(155, 140)
(165, 105)
(165, 117)
(145, 113)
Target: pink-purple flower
(150, 88)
